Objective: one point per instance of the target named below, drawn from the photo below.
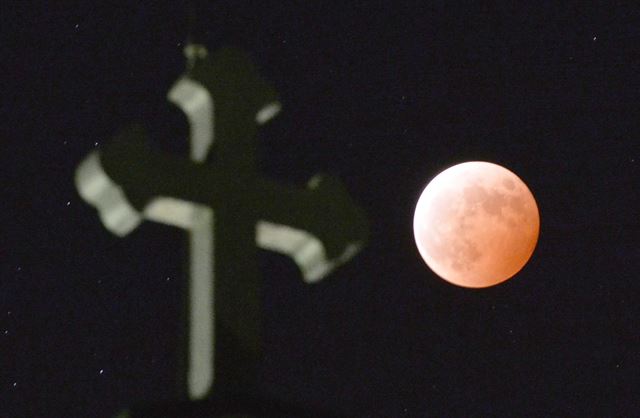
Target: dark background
(384, 95)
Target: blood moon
(476, 224)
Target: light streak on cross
(227, 209)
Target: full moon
(476, 224)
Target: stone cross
(228, 210)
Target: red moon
(476, 224)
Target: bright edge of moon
(476, 224)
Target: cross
(228, 210)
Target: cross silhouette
(228, 209)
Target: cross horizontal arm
(144, 173)
(324, 208)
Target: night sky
(385, 96)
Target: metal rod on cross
(227, 208)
